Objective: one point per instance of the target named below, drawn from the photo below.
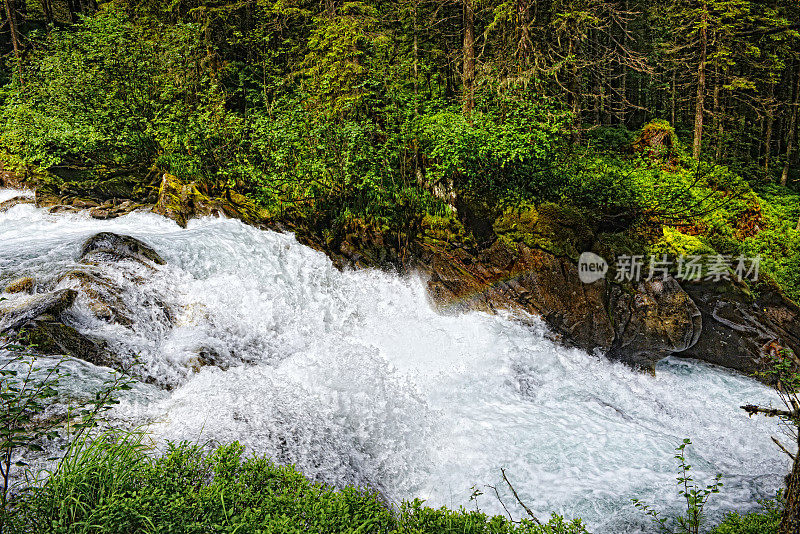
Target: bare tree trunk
(575, 94)
(12, 25)
(469, 58)
(768, 132)
(718, 111)
(47, 8)
(792, 133)
(701, 86)
(416, 61)
(524, 46)
(597, 86)
(790, 521)
(674, 95)
(623, 77)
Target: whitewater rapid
(355, 378)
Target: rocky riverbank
(529, 263)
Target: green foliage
(111, 484)
(27, 389)
(766, 521)
(610, 138)
(343, 64)
(497, 152)
(106, 93)
(674, 243)
(695, 496)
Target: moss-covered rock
(21, 285)
(560, 230)
(182, 202)
(56, 338)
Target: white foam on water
(354, 378)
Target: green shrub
(764, 522)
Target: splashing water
(353, 377)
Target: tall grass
(113, 483)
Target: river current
(354, 377)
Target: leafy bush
(101, 93)
(496, 152)
(694, 495)
(766, 521)
(610, 138)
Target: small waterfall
(354, 378)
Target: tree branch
(528, 510)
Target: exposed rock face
(182, 202)
(533, 267)
(102, 294)
(38, 321)
(738, 326)
(657, 320)
(638, 327)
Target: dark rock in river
(102, 294)
(107, 246)
(40, 319)
(56, 338)
(17, 312)
(15, 201)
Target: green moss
(560, 229)
(444, 229)
(675, 243)
(658, 139)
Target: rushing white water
(353, 377)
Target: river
(355, 377)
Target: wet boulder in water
(15, 313)
(102, 294)
(107, 260)
(36, 321)
(56, 338)
(15, 201)
(108, 246)
(21, 285)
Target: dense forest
(392, 111)
(396, 134)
